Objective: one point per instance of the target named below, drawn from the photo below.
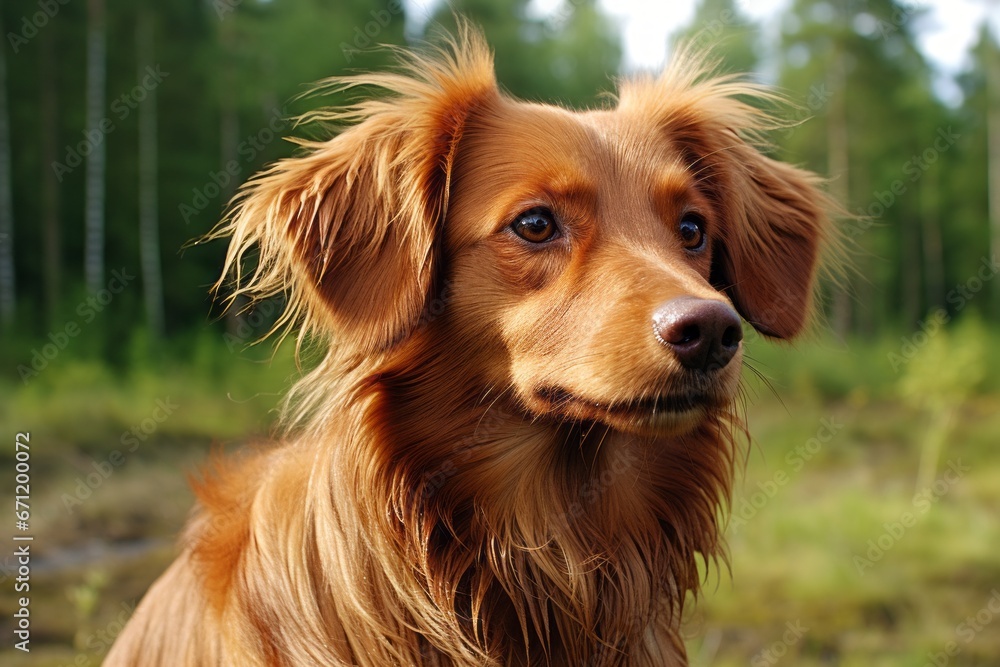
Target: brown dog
(517, 446)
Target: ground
(863, 531)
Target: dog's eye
(536, 225)
(692, 231)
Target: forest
(127, 126)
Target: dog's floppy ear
(765, 258)
(347, 229)
(772, 216)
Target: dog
(520, 439)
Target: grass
(881, 567)
(110, 451)
(795, 560)
(834, 468)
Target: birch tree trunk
(8, 299)
(993, 152)
(149, 229)
(93, 247)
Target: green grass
(794, 561)
(89, 516)
(792, 558)
(85, 405)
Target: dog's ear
(347, 229)
(772, 216)
(765, 258)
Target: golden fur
(479, 471)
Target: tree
(977, 179)
(584, 52)
(149, 232)
(93, 261)
(568, 59)
(991, 62)
(7, 287)
(50, 188)
(868, 67)
(968, 180)
(721, 29)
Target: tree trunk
(149, 232)
(993, 152)
(909, 285)
(839, 166)
(930, 207)
(229, 135)
(229, 130)
(93, 247)
(50, 188)
(8, 298)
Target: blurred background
(866, 526)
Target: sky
(946, 33)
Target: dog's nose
(703, 334)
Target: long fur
(468, 477)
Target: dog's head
(597, 263)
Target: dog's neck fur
(510, 539)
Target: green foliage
(941, 377)
(822, 367)
(568, 59)
(794, 538)
(719, 27)
(235, 71)
(218, 391)
(949, 367)
(85, 597)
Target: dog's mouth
(666, 413)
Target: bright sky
(945, 36)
